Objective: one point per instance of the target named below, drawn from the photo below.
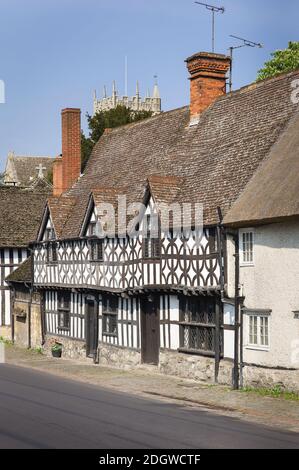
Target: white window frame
(241, 251)
(259, 316)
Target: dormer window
(49, 234)
(91, 231)
(151, 240)
(96, 250)
(52, 253)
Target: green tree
(102, 120)
(283, 61)
(49, 176)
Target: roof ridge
(258, 84)
(113, 130)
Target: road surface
(39, 410)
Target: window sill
(247, 265)
(196, 352)
(151, 260)
(63, 328)
(258, 348)
(198, 325)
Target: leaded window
(49, 234)
(91, 231)
(52, 252)
(64, 303)
(96, 250)
(198, 324)
(109, 317)
(151, 240)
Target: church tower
(136, 103)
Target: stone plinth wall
(71, 349)
(181, 365)
(269, 378)
(194, 367)
(118, 357)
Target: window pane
(247, 247)
(110, 324)
(264, 331)
(253, 330)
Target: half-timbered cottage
(121, 295)
(20, 213)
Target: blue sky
(53, 54)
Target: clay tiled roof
(23, 273)
(60, 209)
(215, 158)
(23, 169)
(273, 192)
(20, 214)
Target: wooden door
(150, 330)
(91, 322)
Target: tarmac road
(40, 411)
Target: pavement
(147, 383)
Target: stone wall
(269, 378)
(202, 369)
(181, 365)
(194, 367)
(71, 348)
(118, 357)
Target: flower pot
(56, 353)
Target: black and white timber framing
(10, 258)
(127, 279)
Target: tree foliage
(49, 176)
(102, 120)
(283, 61)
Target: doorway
(91, 322)
(150, 330)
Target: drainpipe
(237, 313)
(12, 302)
(241, 340)
(218, 312)
(29, 315)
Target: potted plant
(56, 350)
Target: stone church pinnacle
(151, 102)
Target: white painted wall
(273, 283)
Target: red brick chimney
(57, 177)
(207, 81)
(67, 169)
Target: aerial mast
(214, 10)
(246, 43)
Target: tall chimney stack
(207, 81)
(67, 169)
